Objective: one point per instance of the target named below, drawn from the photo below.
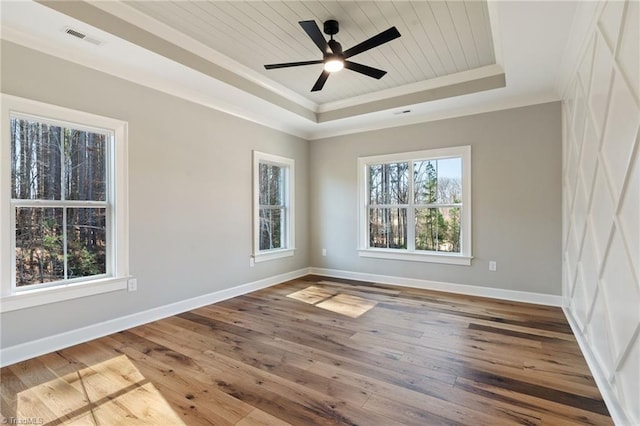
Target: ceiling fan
(334, 59)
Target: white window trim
(13, 299)
(289, 166)
(462, 258)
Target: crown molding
(409, 89)
(386, 120)
(129, 14)
(156, 82)
(464, 83)
(129, 32)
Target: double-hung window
(416, 206)
(273, 178)
(63, 204)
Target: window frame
(410, 254)
(117, 275)
(288, 166)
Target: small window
(416, 206)
(273, 206)
(66, 218)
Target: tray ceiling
(439, 38)
(521, 52)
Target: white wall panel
(579, 113)
(629, 214)
(590, 267)
(621, 295)
(628, 55)
(580, 302)
(600, 83)
(589, 156)
(628, 378)
(599, 332)
(603, 257)
(601, 213)
(622, 126)
(571, 170)
(580, 210)
(609, 22)
(584, 72)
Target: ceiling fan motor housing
(335, 47)
(331, 27)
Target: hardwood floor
(319, 351)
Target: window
(416, 206)
(63, 204)
(273, 178)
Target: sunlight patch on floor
(343, 304)
(311, 295)
(351, 306)
(110, 392)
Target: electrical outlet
(492, 265)
(324, 252)
(132, 284)
(252, 261)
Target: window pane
(389, 183)
(377, 194)
(35, 160)
(39, 245)
(450, 181)
(271, 228)
(85, 165)
(271, 185)
(438, 229)
(438, 181)
(86, 242)
(425, 176)
(388, 228)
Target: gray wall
(189, 191)
(516, 198)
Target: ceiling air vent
(82, 36)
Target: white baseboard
(471, 290)
(607, 391)
(24, 351)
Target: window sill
(450, 259)
(42, 296)
(273, 254)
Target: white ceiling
(528, 43)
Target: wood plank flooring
(319, 351)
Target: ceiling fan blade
(375, 41)
(364, 69)
(312, 30)
(291, 64)
(320, 82)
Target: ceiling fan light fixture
(333, 65)
(334, 58)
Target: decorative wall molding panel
(601, 199)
